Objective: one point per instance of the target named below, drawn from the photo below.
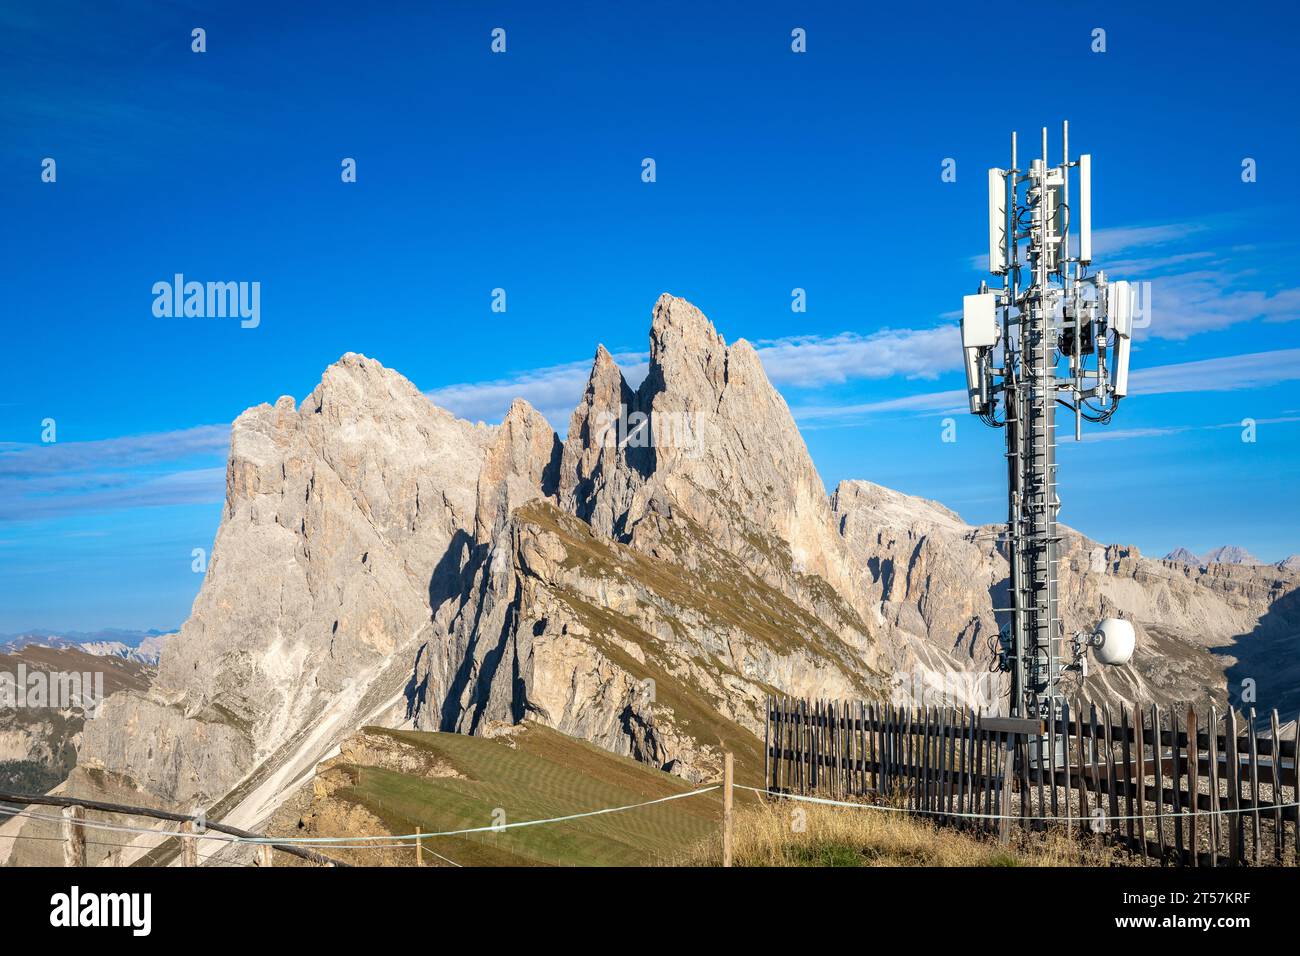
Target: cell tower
(1052, 335)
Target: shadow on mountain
(1266, 674)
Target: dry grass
(793, 834)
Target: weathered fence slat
(1176, 766)
(1158, 758)
(1126, 750)
(1253, 754)
(1213, 727)
(1276, 763)
(1233, 775)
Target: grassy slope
(544, 774)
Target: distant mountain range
(142, 647)
(1229, 554)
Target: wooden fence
(1167, 785)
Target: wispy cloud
(129, 451)
(796, 362)
(195, 486)
(810, 361)
(952, 400)
(1123, 434)
(1224, 374)
(1110, 242)
(553, 390)
(1207, 300)
(1219, 291)
(163, 468)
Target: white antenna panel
(1085, 208)
(975, 385)
(1119, 311)
(1119, 373)
(979, 321)
(997, 222)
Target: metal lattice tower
(1052, 335)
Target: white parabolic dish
(1114, 639)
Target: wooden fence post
(189, 845)
(74, 837)
(419, 849)
(1008, 774)
(728, 773)
(265, 855)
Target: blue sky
(522, 171)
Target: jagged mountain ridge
(1230, 554)
(381, 561)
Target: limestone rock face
(665, 656)
(698, 476)
(521, 463)
(603, 463)
(707, 432)
(344, 524)
(938, 579)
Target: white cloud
(814, 361)
(554, 390)
(1122, 434)
(1227, 373)
(1216, 294)
(1107, 242)
(1183, 305)
(803, 361)
(65, 477)
(952, 400)
(1224, 374)
(24, 501)
(130, 451)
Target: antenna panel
(1085, 208)
(1119, 369)
(1119, 311)
(976, 385)
(979, 321)
(997, 222)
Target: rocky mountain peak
(1182, 556)
(707, 432)
(344, 525)
(594, 481)
(521, 463)
(1230, 554)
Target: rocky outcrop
(938, 580)
(646, 654)
(346, 521)
(521, 463)
(698, 477)
(39, 740)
